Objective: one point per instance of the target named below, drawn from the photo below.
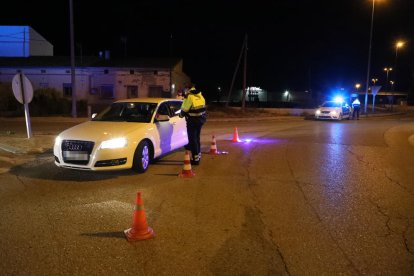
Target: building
(23, 41)
(99, 80)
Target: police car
(333, 110)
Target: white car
(128, 134)
(333, 110)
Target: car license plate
(76, 155)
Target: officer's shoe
(195, 160)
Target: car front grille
(76, 151)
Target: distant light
(173, 86)
(286, 93)
(399, 44)
(248, 140)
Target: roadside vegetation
(46, 102)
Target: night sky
(295, 45)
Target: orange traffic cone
(236, 135)
(213, 147)
(186, 172)
(139, 229)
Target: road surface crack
(299, 186)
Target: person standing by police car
(193, 109)
(356, 105)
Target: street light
(399, 44)
(369, 56)
(387, 69)
(287, 95)
(357, 86)
(374, 81)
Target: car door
(165, 129)
(180, 137)
(345, 109)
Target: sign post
(23, 92)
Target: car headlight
(333, 112)
(114, 143)
(58, 140)
(318, 112)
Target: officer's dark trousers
(193, 132)
(355, 112)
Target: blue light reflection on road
(251, 140)
(334, 171)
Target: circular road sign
(19, 90)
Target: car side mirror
(161, 118)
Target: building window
(94, 91)
(67, 89)
(43, 71)
(107, 91)
(106, 71)
(132, 91)
(155, 91)
(131, 72)
(18, 71)
(67, 71)
(43, 85)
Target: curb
(11, 149)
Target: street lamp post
(398, 45)
(72, 59)
(387, 70)
(369, 57)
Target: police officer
(193, 109)
(356, 105)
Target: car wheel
(141, 157)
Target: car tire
(141, 157)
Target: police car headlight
(333, 112)
(317, 112)
(114, 143)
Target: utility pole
(369, 57)
(72, 59)
(244, 73)
(237, 68)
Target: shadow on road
(44, 168)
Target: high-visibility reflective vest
(356, 103)
(194, 105)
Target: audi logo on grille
(74, 147)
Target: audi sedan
(333, 110)
(128, 134)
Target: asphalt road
(295, 197)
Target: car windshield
(127, 112)
(331, 104)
